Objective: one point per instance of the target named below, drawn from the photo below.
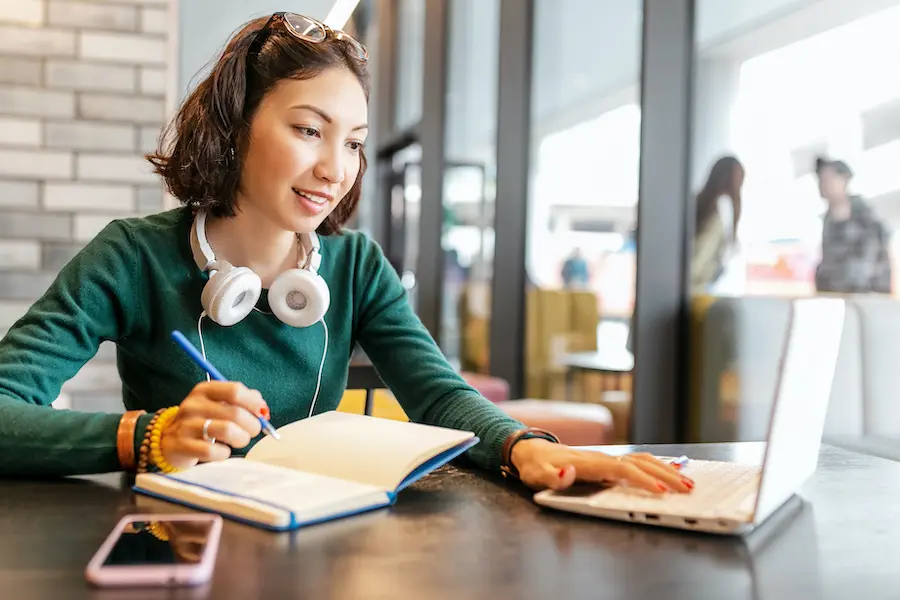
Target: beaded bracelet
(144, 452)
(151, 447)
(156, 529)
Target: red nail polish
(562, 473)
(264, 412)
(688, 483)
(661, 487)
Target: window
(585, 150)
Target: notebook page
(369, 450)
(294, 491)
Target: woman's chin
(304, 223)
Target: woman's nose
(330, 169)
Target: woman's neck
(250, 240)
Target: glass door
(404, 189)
(467, 240)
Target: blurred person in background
(575, 272)
(714, 235)
(854, 241)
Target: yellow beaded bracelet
(156, 429)
(158, 531)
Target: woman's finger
(591, 467)
(204, 408)
(202, 450)
(224, 432)
(232, 392)
(664, 472)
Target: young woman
(713, 237)
(266, 155)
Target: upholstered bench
(494, 389)
(576, 423)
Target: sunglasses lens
(305, 27)
(358, 48)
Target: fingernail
(662, 487)
(264, 412)
(562, 472)
(688, 483)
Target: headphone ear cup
(299, 298)
(230, 295)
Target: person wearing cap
(854, 241)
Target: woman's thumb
(556, 478)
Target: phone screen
(160, 543)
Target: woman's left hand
(544, 464)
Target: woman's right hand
(233, 413)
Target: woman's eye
(307, 131)
(355, 146)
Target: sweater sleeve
(414, 368)
(92, 300)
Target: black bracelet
(506, 465)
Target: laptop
(734, 497)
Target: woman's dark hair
(210, 134)
(723, 180)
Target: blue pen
(680, 461)
(204, 364)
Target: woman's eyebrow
(325, 116)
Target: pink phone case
(155, 575)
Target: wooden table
(460, 534)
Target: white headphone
(298, 297)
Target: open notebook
(329, 466)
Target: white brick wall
(20, 254)
(18, 194)
(154, 20)
(123, 48)
(84, 197)
(36, 102)
(20, 132)
(35, 164)
(81, 75)
(82, 96)
(36, 42)
(28, 12)
(121, 108)
(63, 13)
(89, 135)
(14, 69)
(153, 81)
(114, 168)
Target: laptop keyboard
(722, 490)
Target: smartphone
(157, 550)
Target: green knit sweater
(137, 281)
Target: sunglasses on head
(309, 30)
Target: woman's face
(304, 150)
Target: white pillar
(715, 94)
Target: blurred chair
(574, 423)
